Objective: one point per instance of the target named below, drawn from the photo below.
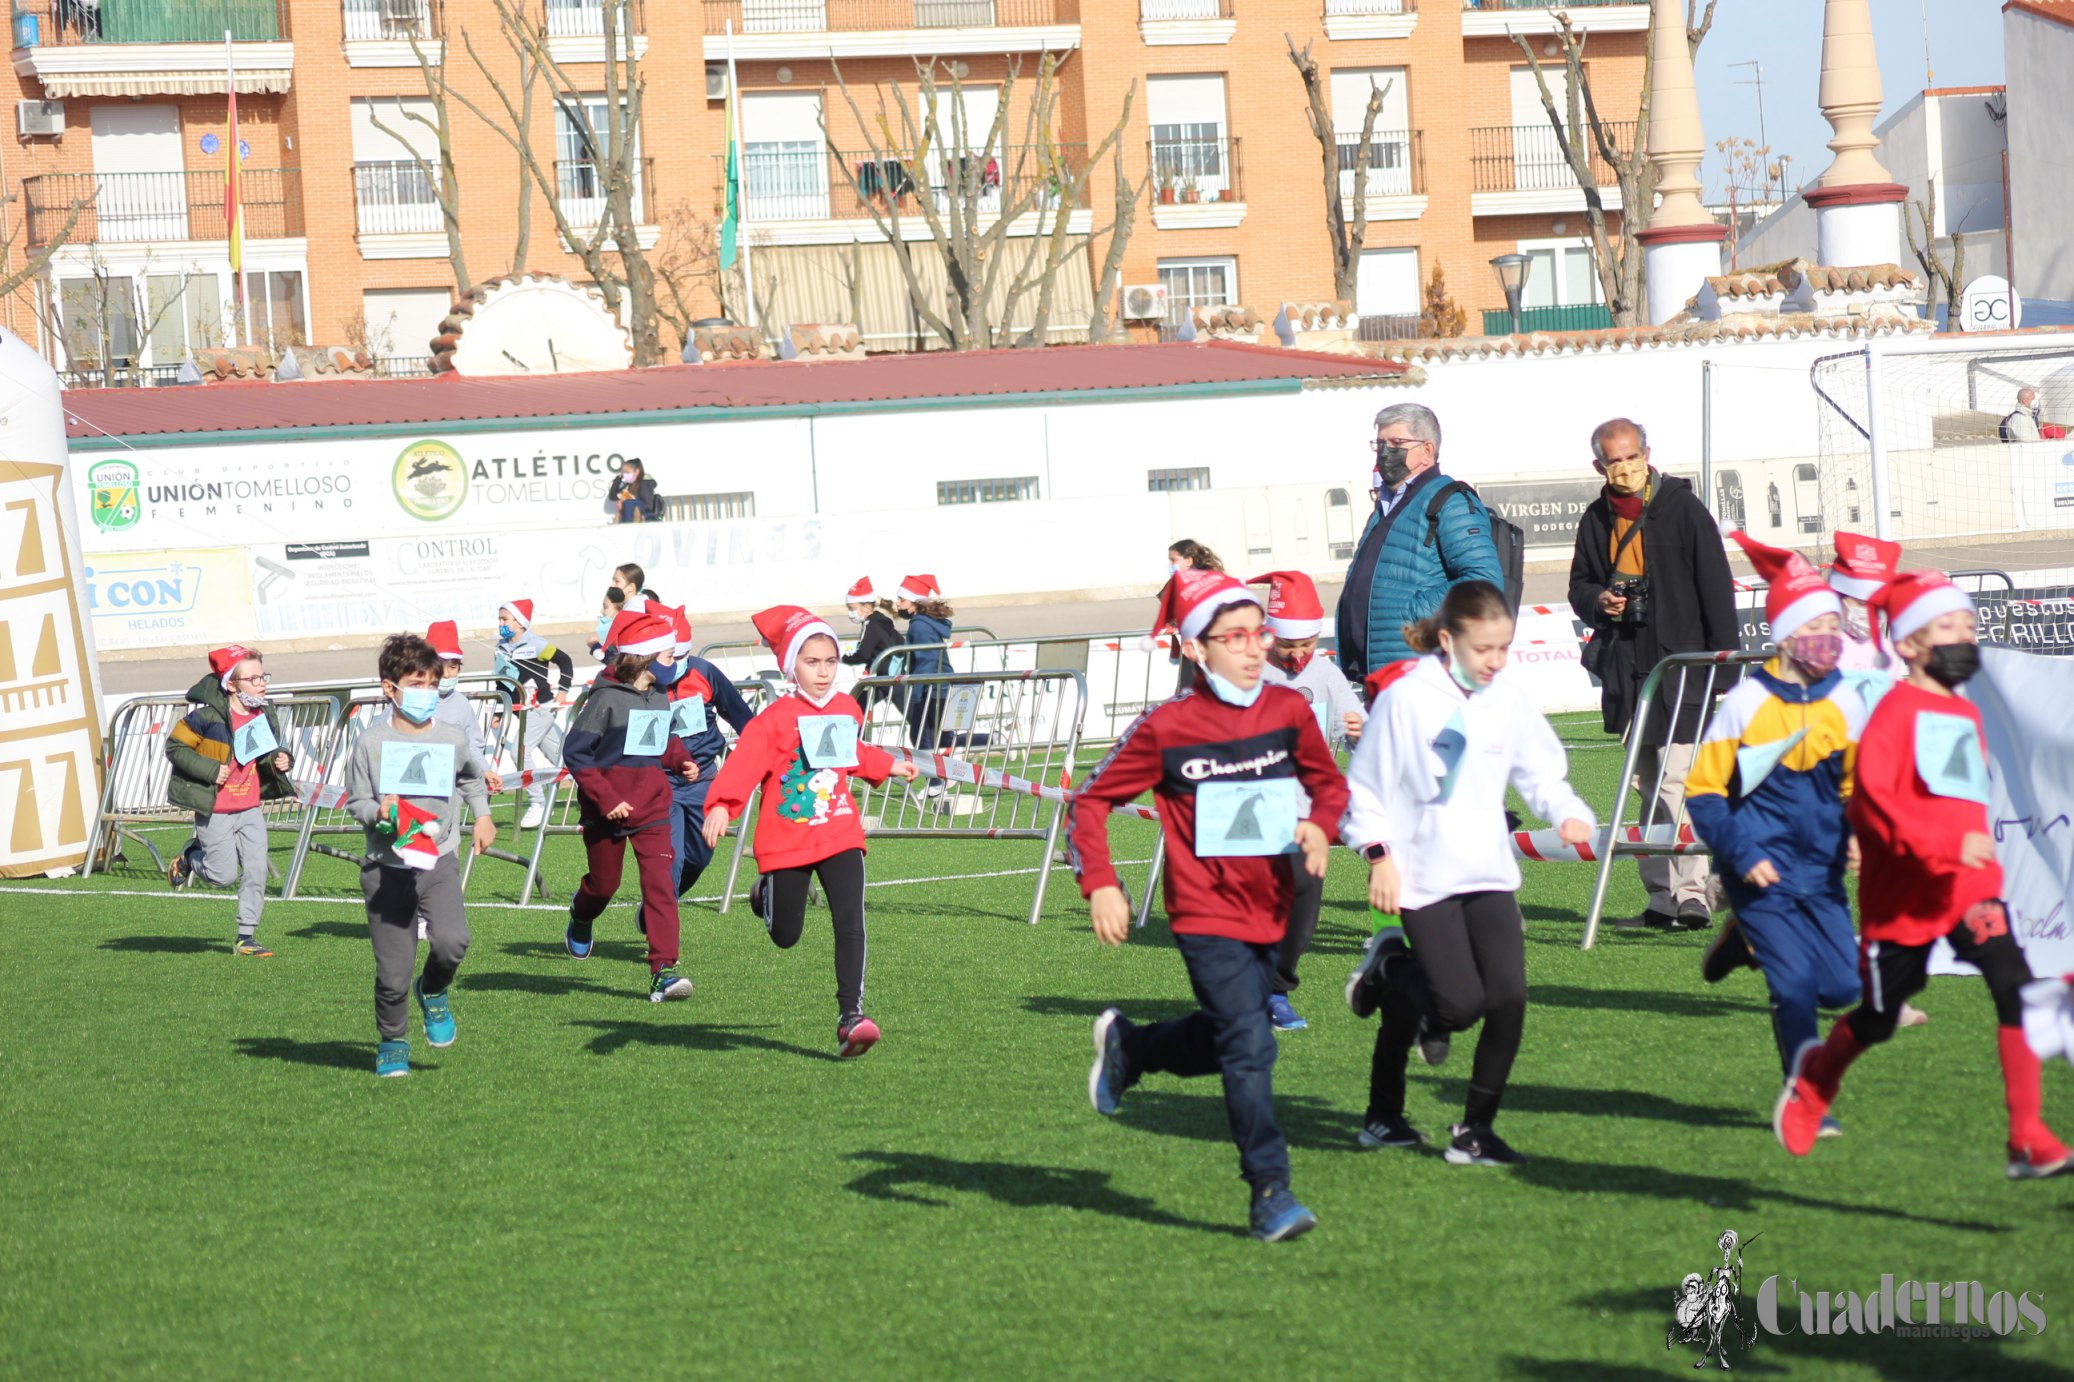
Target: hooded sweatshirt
(608, 770)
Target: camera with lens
(1636, 591)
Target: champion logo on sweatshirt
(1260, 755)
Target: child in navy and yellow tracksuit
(1767, 793)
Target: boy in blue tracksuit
(1766, 794)
(698, 692)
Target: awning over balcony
(58, 86)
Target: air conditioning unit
(1145, 301)
(39, 117)
(716, 81)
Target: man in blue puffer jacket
(1398, 575)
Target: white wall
(2037, 55)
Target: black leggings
(1472, 966)
(842, 885)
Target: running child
(876, 636)
(1229, 763)
(454, 708)
(1863, 565)
(405, 781)
(525, 662)
(1427, 809)
(802, 750)
(698, 691)
(227, 759)
(1767, 790)
(1928, 871)
(1296, 618)
(622, 754)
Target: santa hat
(1386, 676)
(521, 610)
(1863, 565)
(417, 835)
(680, 626)
(224, 661)
(1191, 600)
(1796, 593)
(641, 632)
(1293, 610)
(445, 639)
(1915, 598)
(920, 588)
(786, 628)
(861, 593)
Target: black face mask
(1393, 464)
(1953, 664)
(905, 613)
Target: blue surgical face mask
(667, 673)
(604, 626)
(506, 632)
(418, 703)
(447, 685)
(1229, 694)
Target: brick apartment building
(345, 239)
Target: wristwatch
(1375, 853)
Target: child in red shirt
(802, 750)
(1928, 871)
(1229, 760)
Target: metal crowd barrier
(760, 659)
(1655, 837)
(1122, 679)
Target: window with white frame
(583, 144)
(1189, 148)
(999, 490)
(1562, 274)
(1193, 283)
(1386, 283)
(184, 313)
(1389, 152)
(784, 165)
(394, 192)
(276, 299)
(1179, 478)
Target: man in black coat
(1650, 576)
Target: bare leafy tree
(32, 268)
(1346, 234)
(973, 195)
(1936, 272)
(1590, 148)
(115, 312)
(1100, 323)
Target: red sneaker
(2045, 1156)
(1797, 1117)
(854, 1036)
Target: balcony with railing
(1523, 168)
(1186, 21)
(1499, 18)
(580, 187)
(150, 47)
(814, 184)
(394, 22)
(1353, 19)
(575, 29)
(132, 207)
(769, 29)
(396, 197)
(1396, 164)
(1197, 180)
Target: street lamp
(1512, 277)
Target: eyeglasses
(1382, 444)
(1238, 640)
(258, 678)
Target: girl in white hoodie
(1427, 809)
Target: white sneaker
(535, 815)
(423, 932)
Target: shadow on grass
(1137, 1010)
(333, 930)
(614, 1037)
(341, 1055)
(1309, 1123)
(511, 981)
(1600, 1103)
(1721, 1194)
(164, 945)
(1717, 1004)
(601, 949)
(1013, 1184)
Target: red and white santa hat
(680, 627)
(639, 632)
(1191, 601)
(417, 835)
(1863, 564)
(920, 588)
(786, 629)
(861, 593)
(224, 661)
(1796, 593)
(1293, 610)
(445, 640)
(521, 610)
(1914, 598)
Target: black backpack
(1507, 537)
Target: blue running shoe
(578, 939)
(668, 986)
(1110, 1076)
(392, 1058)
(1277, 1217)
(1285, 1017)
(439, 1018)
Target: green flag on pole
(730, 226)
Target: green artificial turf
(205, 1179)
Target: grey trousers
(1673, 881)
(543, 740)
(395, 898)
(230, 847)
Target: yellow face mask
(1627, 476)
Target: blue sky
(1786, 36)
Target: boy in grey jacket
(404, 784)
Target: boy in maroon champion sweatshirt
(1927, 872)
(1225, 759)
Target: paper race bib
(1870, 685)
(416, 770)
(829, 741)
(1245, 818)
(648, 733)
(1754, 763)
(1449, 747)
(1948, 757)
(254, 739)
(688, 717)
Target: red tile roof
(313, 404)
(2059, 11)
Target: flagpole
(231, 230)
(734, 90)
